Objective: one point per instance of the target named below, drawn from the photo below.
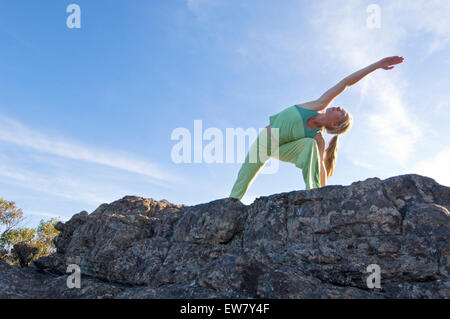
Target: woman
(299, 135)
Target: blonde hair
(331, 151)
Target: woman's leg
(254, 161)
(304, 153)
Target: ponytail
(331, 154)
(331, 151)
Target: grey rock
(301, 244)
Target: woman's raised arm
(330, 95)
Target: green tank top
(291, 123)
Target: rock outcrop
(302, 244)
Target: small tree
(29, 244)
(10, 217)
(18, 235)
(43, 239)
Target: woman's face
(335, 115)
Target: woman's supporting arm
(330, 95)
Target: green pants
(304, 153)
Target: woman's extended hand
(388, 63)
(326, 98)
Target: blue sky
(86, 115)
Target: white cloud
(342, 34)
(12, 131)
(361, 164)
(437, 44)
(423, 16)
(45, 214)
(67, 187)
(242, 51)
(201, 8)
(436, 167)
(393, 128)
